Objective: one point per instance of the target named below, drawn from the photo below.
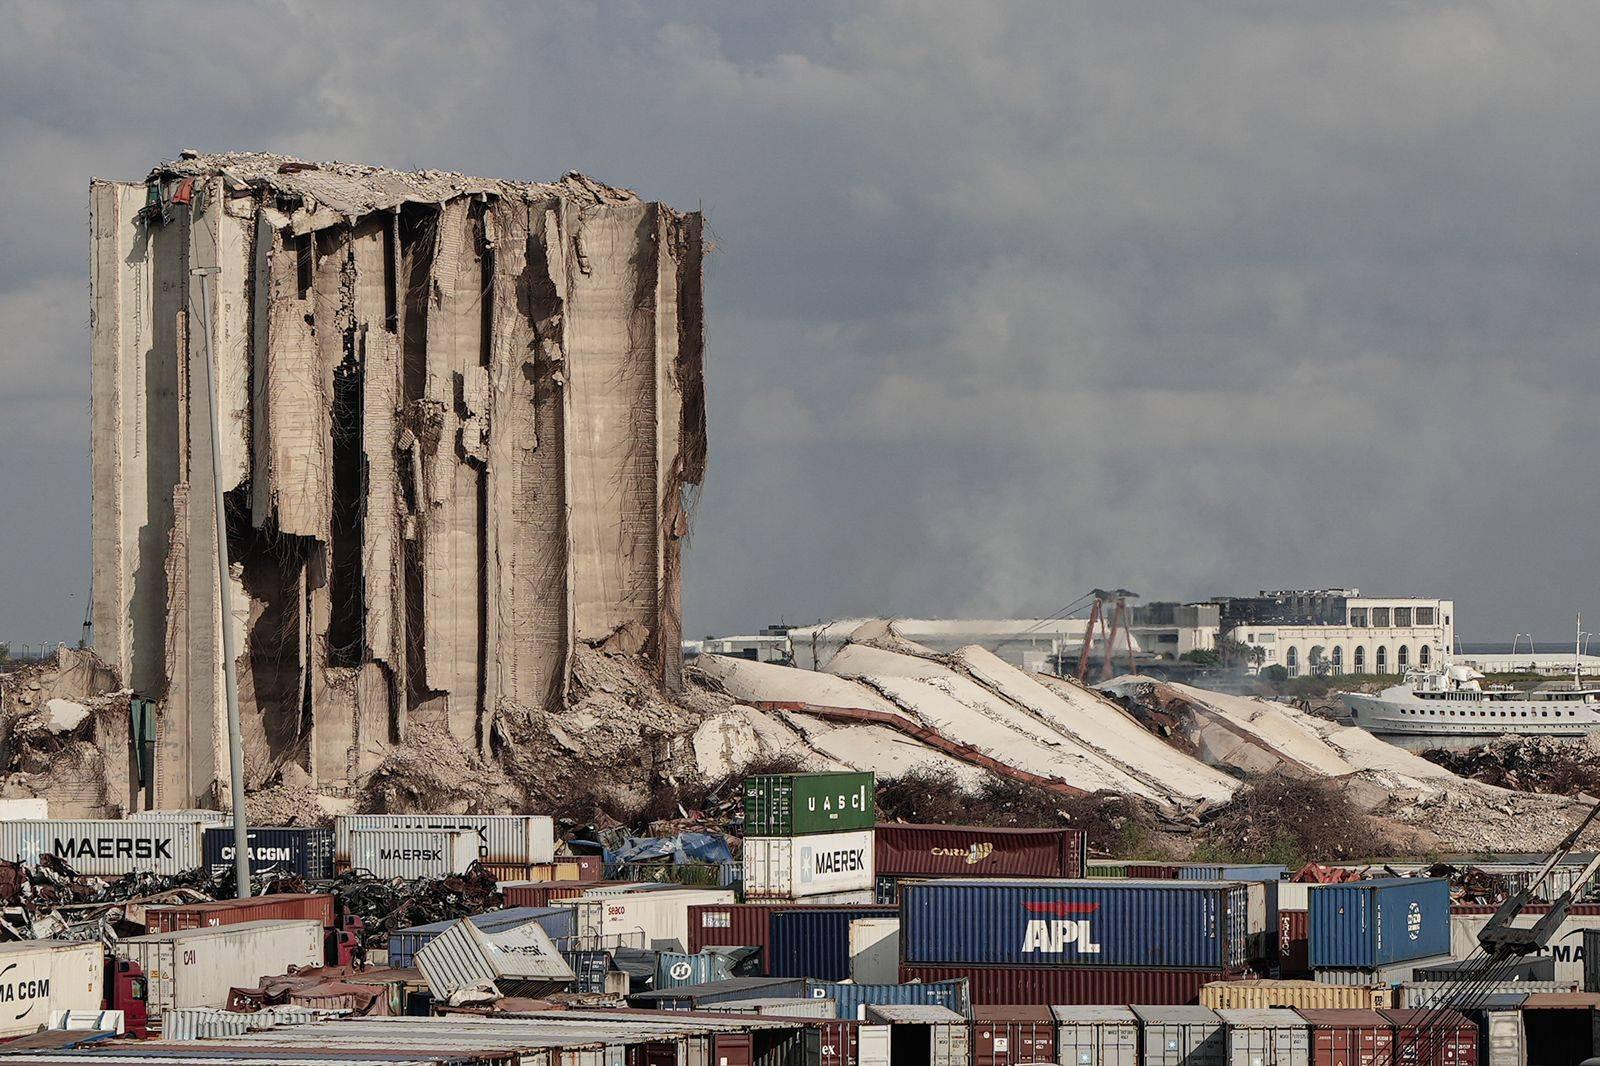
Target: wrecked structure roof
(458, 420)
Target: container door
(872, 1045)
(733, 1049)
(1119, 1045)
(1505, 1038)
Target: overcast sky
(1008, 301)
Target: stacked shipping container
(943, 851)
(809, 835)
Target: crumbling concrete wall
(460, 420)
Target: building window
(1402, 658)
(1358, 617)
(1380, 617)
(1424, 616)
(1249, 638)
(1402, 617)
(1338, 660)
(1291, 660)
(1383, 659)
(1424, 655)
(1361, 659)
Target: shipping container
(41, 976)
(789, 805)
(286, 906)
(655, 920)
(413, 853)
(502, 838)
(1373, 923)
(1200, 925)
(1433, 1038)
(106, 847)
(970, 851)
(1065, 985)
(815, 941)
(1200, 871)
(546, 893)
(1270, 1036)
(190, 816)
(1389, 974)
(303, 852)
(1507, 1038)
(1257, 995)
(1565, 945)
(1294, 896)
(1012, 1035)
(1294, 943)
(197, 967)
(796, 867)
(1526, 969)
(746, 924)
(519, 960)
(1094, 1036)
(1422, 995)
(1152, 871)
(24, 807)
(558, 923)
(1181, 1036)
(674, 969)
(875, 950)
(1348, 1037)
(852, 999)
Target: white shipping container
(502, 838)
(798, 867)
(521, 961)
(872, 1045)
(658, 921)
(190, 814)
(197, 967)
(1566, 946)
(413, 853)
(41, 976)
(105, 847)
(30, 807)
(1293, 896)
(875, 951)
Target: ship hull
(1418, 725)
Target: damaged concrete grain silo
(460, 419)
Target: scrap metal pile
(1527, 764)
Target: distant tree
(5, 653)
(1276, 674)
(1238, 653)
(1202, 657)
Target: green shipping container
(792, 805)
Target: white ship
(1447, 707)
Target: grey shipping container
(197, 967)
(106, 847)
(1272, 1036)
(413, 853)
(193, 814)
(502, 838)
(558, 922)
(1181, 1036)
(1096, 1036)
(853, 999)
(520, 961)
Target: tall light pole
(230, 676)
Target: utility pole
(230, 677)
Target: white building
(1346, 633)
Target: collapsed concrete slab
(460, 420)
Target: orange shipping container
(1011, 1035)
(1349, 1037)
(313, 906)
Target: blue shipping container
(1363, 924)
(850, 1000)
(1249, 872)
(559, 922)
(805, 942)
(1197, 925)
(304, 852)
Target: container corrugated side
(1294, 944)
(413, 853)
(972, 851)
(1420, 995)
(1181, 1036)
(502, 838)
(1248, 872)
(796, 867)
(193, 814)
(1260, 995)
(106, 847)
(1566, 943)
(303, 906)
(1168, 924)
(1348, 1037)
(197, 967)
(1374, 923)
(801, 804)
(40, 976)
(24, 807)
(1433, 1038)
(875, 951)
(815, 942)
(305, 851)
(1063, 985)
(655, 920)
(1272, 1035)
(559, 923)
(1013, 1036)
(548, 893)
(852, 999)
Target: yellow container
(1257, 995)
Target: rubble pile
(1290, 820)
(1528, 764)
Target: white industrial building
(1338, 631)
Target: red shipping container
(317, 907)
(1294, 943)
(1012, 1034)
(974, 851)
(1046, 986)
(547, 893)
(1349, 1037)
(1433, 1038)
(839, 1043)
(1145, 871)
